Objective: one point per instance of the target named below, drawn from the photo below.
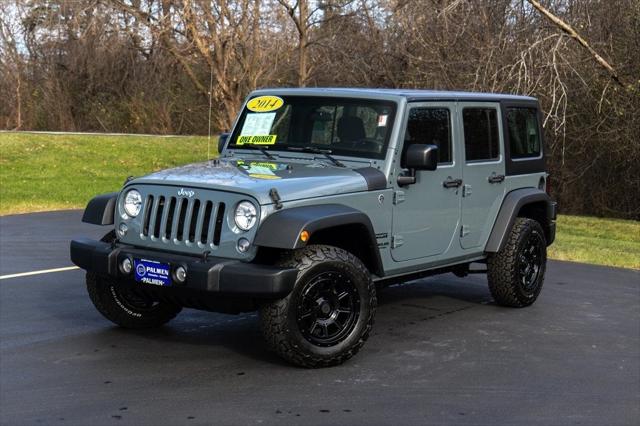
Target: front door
(483, 172)
(426, 214)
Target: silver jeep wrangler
(320, 197)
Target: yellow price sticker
(272, 166)
(265, 103)
(263, 176)
(257, 140)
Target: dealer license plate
(152, 272)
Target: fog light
(126, 265)
(181, 274)
(122, 230)
(243, 245)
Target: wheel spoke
(325, 329)
(304, 315)
(313, 327)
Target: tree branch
(574, 34)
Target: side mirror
(222, 141)
(418, 157)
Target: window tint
(430, 126)
(481, 138)
(524, 135)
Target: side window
(524, 133)
(481, 137)
(430, 126)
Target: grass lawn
(611, 242)
(50, 172)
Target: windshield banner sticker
(261, 169)
(257, 140)
(257, 124)
(265, 103)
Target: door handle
(452, 183)
(494, 178)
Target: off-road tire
(505, 281)
(116, 304)
(279, 322)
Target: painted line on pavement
(43, 271)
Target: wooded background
(147, 66)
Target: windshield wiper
(314, 150)
(265, 152)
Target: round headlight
(246, 215)
(132, 203)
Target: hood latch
(275, 197)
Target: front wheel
(516, 272)
(327, 317)
(125, 307)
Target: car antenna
(209, 131)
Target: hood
(293, 180)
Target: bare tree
(574, 34)
(222, 35)
(308, 18)
(154, 65)
(11, 62)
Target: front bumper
(212, 275)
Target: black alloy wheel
(329, 309)
(530, 261)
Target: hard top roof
(409, 94)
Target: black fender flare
(282, 229)
(101, 209)
(513, 202)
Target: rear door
(426, 214)
(483, 171)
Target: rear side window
(481, 138)
(524, 133)
(430, 126)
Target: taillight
(547, 187)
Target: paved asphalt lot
(441, 353)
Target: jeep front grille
(182, 220)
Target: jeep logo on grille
(186, 193)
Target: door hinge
(464, 230)
(397, 241)
(466, 190)
(398, 197)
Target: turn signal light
(304, 236)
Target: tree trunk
(18, 102)
(303, 50)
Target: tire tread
(274, 315)
(502, 266)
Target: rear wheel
(327, 317)
(516, 272)
(125, 307)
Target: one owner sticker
(257, 140)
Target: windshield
(338, 126)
